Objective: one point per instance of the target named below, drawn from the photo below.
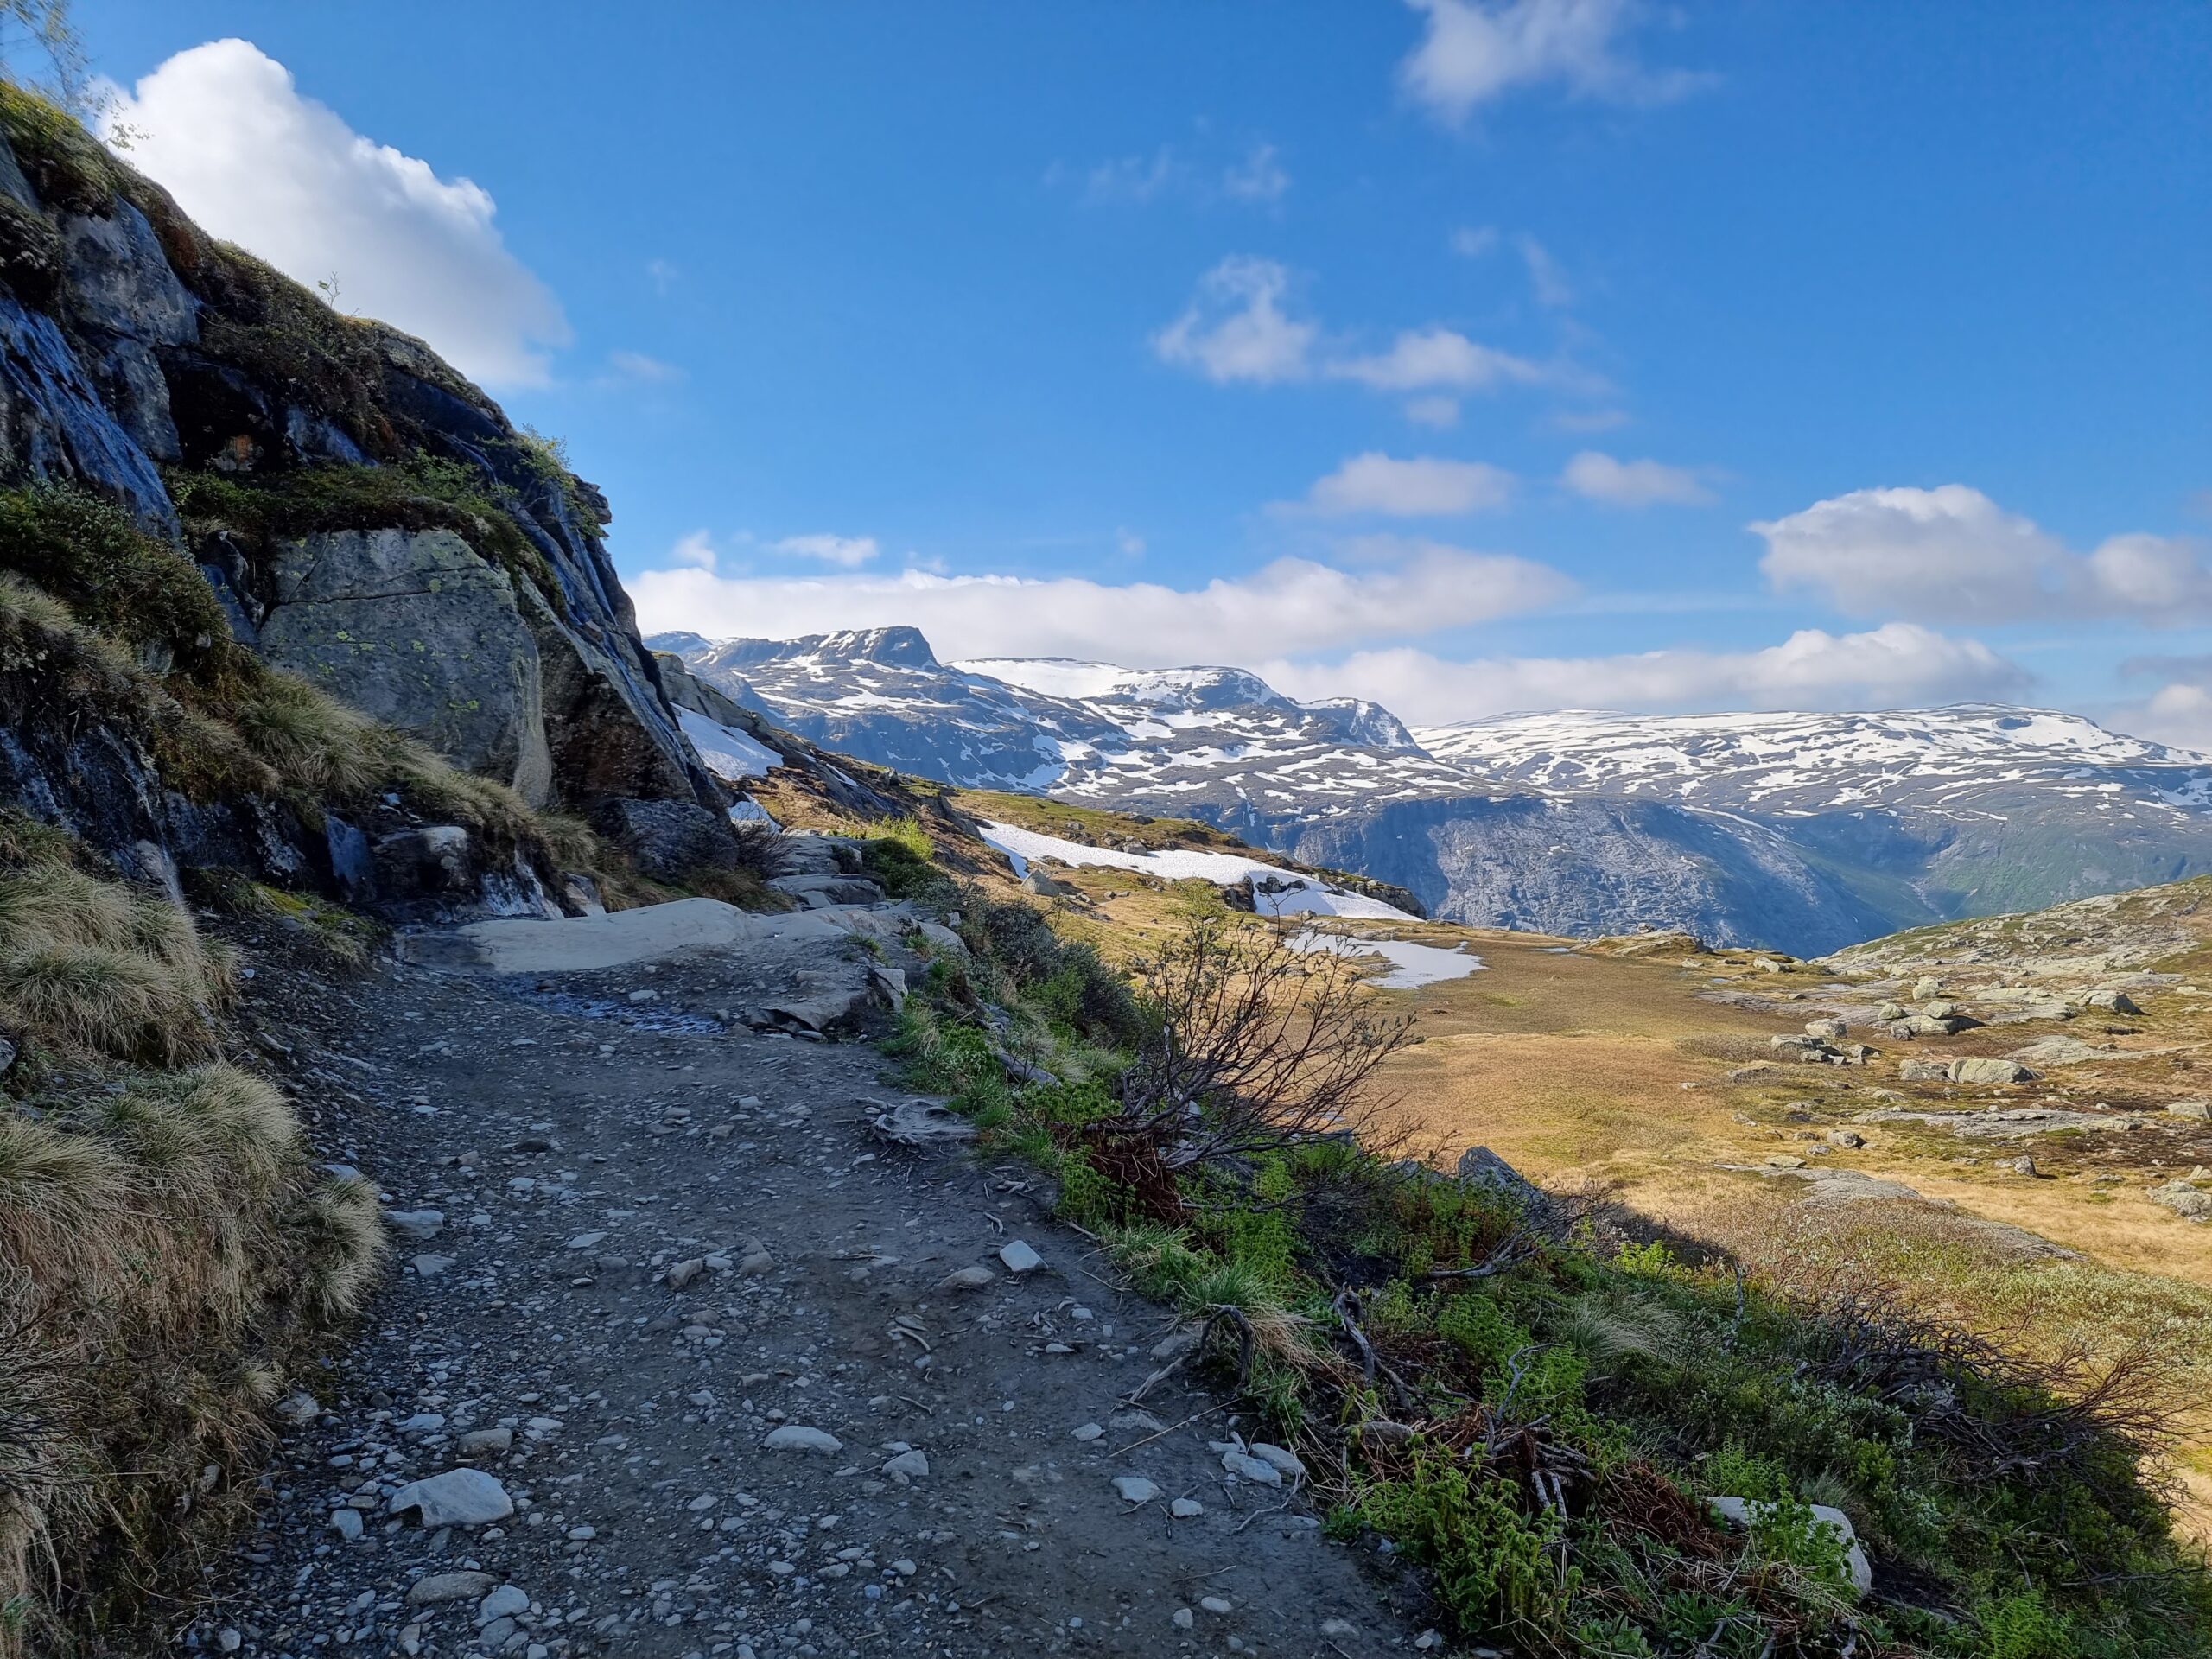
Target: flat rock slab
(580, 943)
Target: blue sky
(1441, 353)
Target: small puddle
(1412, 965)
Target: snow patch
(729, 754)
(1302, 894)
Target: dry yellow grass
(162, 1235)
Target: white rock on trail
(792, 1437)
(417, 1224)
(1251, 1468)
(1136, 1489)
(459, 1498)
(1019, 1257)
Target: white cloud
(696, 550)
(1130, 543)
(1432, 410)
(1474, 241)
(1134, 178)
(1632, 483)
(2179, 714)
(1290, 606)
(847, 552)
(1548, 282)
(225, 128)
(636, 366)
(1237, 329)
(1421, 486)
(1899, 663)
(1952, 552)
(1441, 357)
(1260, 176)
(1474, 51)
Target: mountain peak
(899, 645)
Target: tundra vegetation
(1526, 1398)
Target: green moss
(70, 169)
(89, 553)
(421, 493)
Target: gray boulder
(1982, 1068)
(2185, 1199)
(670, 839)
(819, 892)
(1743, 1513)
(1479, 1167)
(417, 628)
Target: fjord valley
(575, 1086)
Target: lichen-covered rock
(417, 628)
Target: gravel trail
(755, 1382)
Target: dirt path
(577, 1155)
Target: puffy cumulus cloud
(1290, 606)
(1632, 483)
(1898, 664)
(1474, 51)
(2179, 714)
(1422, 487)
(1237, 329)
(223, 127)
(849, 552)
(1954, 553)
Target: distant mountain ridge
(1805, 832)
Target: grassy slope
(1605, 1070)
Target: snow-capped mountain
(1802, 831)
(1203, 739)
(1933, 759)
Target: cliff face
(367, 519)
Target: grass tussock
(92, 969)
(166, 1250)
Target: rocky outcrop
(416, 628)
(369, 518)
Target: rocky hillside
(1803, 832)
(367, 523)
